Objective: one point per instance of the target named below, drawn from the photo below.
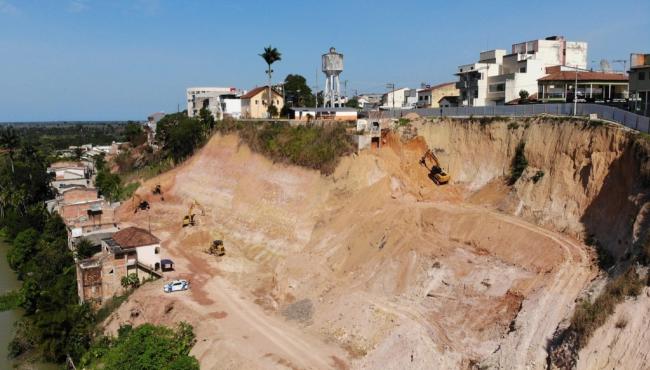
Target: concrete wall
(147, 255)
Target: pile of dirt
(375, 266)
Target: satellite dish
(604, 66)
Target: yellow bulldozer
(217, 248)
(189, 219)
(436, 173)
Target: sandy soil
(371, 267)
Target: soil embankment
(377, 267)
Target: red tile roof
(256, 91)
(584, 76)
(132, 237)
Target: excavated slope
(375, 266)
(591, 182)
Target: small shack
(166, 264)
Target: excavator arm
(436, 173)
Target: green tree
(297, 92)
(207, 119)
(352, 103)
(270, 56)
(272, 111)
(84, 248)
(134, 134)
(22, 250)
(108, 184)
(9, 141)
(130, 281)
(147, 347)
(78, 152)
(523, 95)
(519, 163)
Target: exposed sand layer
(375, 266)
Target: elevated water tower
(332, 67)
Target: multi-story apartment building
(497, 77)
(640, 83)
(220, 101)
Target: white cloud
(7, 8)
(77, 6)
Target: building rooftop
(585, 76)
(133, 237)
(324, 109)
(66, 164)
(256, 91)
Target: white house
(399, 99)
(212, 98)
(497, 78)
(145, 244)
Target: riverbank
(8, 281)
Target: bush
(590, 316)
(519, 164)
(144, 347)
(403, 122)
(10, 300)
(313, 146)
(538, 176)
(513, 126)
(605, 258)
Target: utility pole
(391, 86)
(575, 94)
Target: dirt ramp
(578, 174)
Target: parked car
(176, 285)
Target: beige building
(429, 97)
(255, 103)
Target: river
(8, 281)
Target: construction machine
(139, 204)
(188, 220)
(436, 173)
(217, 248)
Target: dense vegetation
(147, 347)
(519, 164)
(62, 135)
(54, 323)
(315, 146)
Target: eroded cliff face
(582, 179)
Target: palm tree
(9, 141)
(270, 56)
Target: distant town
(543, 71)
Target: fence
(629, 119)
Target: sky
(123, 59)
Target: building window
(256, 102)
(522, 70)
(157, 250)
(500, 87)
(475, 94)
(641, 76)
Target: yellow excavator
(436, 173)
(188, 220)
